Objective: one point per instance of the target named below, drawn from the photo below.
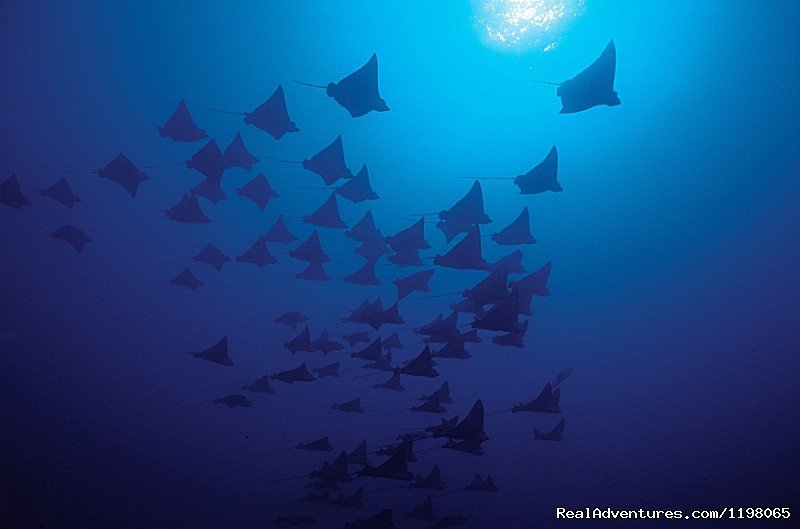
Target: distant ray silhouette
(217, 353)
(187, 279)
(351, 406)
(417, 282)
(327, 215)
(406, 257)
(513, 339)
(390, 316)
(272, 116)
(208, 161)
(440, 324)
(358, 189)
(543, 177)
(187, 210)
(444, 335)
(411, 238)
(501, 317)
(593, 86)
(301, 342)
(395, 467)
(329, 163)
(405, 447)
(211, 255)
(421, 366)
(491, 289)
(453, 349)
(364, 230)
(479, 484)
(424, 510)
(468, 446)
(392, 342)
(466, 254)
(310, 250)
(433, 481)
(470, 336)
(562, 376)
(291, 319)
(210, 189)
(373, 250)
(546, 402)
(359, 455)
(382, 520)
(443, 428)
(364, 311)
(279, 233)
(320, 445)
(429, 406)
(364, 275)
(358, 314)
(121, 171)
(357, 337)
(313, 272)
(234, 401)
(534, 284)
(511, 263)
(298, 374)
(73, 236)
(181, 127)
(61, 192)
(324, 344)
(331, 473)
(464, 213)
(440, 395)
(556, 434)
(237, 155)
(382, 363)
(394, 383)
(466, 305)
(258, 190)
(354, 501)
(259, 386)
(330, 370)
(11, 194)
(518, 232)
(258, 254)
(471, 427)
(358, 92)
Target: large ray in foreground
(329, 163)
(272, 116)
(122, 171)
(181, 127)
(543, 177)
(358, 92)
(592, 87)
(11, 194)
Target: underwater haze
(673, 291)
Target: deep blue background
(675, 279)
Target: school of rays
(497, 308)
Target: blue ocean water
(674, 250)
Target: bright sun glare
(524, 25)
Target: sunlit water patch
(525, 25)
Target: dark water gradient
(675, 279)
